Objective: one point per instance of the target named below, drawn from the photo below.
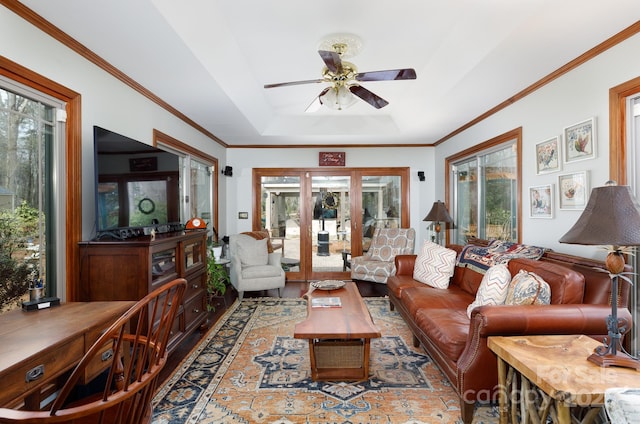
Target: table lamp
(611, 218)
(438, 214)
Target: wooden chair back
(132, 351)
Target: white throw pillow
(252, 251)
(493, 287)
(434, 265)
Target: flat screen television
(137, 187)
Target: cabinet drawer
(195, 311)
(38, 370)
(194, 286)
(102, 359)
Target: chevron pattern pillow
(434, 265)
(493, 288)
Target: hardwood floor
(292, 289)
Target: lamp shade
(611, 217)
(438, 213)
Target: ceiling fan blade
(389, 75)
(332, 60)
(284, 84)
(316, 104)
(369, 97)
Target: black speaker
(421, 175)
(228, 171)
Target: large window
(29, 134)
(484, 187)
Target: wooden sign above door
(332, 159)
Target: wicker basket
(339, 353)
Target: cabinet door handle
(196, 310)
(195, 286)
(34, 373)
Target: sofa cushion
(434, 265)
(397, 283)
(567, 285)
(528, 288)
(493, 288)
(427, 297)
(252, 251)
(447, 328)
(482, 258)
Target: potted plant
(217, 279)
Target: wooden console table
(546, 376)
(37, 347)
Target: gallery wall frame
(573, 190)
(549, 156)
(579, 141)
(541, 201)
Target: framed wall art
(573, 190)
(580, 141)
(548, 156)
(331, 159)
(541, 201)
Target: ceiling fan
(344, 77)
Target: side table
(546, 376)
(288, 263)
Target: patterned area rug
(250, 369)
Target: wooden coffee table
(339, 337)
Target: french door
(324, 216)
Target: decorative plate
(327, 284)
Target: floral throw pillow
(434, 265)
(528, 288)
(493, 288)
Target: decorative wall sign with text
(332, 159)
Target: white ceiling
(210, 58)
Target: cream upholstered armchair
(377, 264)
(252, 266)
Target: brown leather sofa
(580, 304)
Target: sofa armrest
(405, 264)
(505, 320)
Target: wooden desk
(37, 347)
(554, 375)
(339, 338)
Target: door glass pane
(381, 205)
(486, 196)
(500, 197)
(201, 190)
(331, 224)
(27, 239)
(466, 202)
(280, 215)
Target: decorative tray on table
(327, 284)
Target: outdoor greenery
(17, 265)
(26, 134)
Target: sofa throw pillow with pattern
(493, 288)
(528, 288)
(252, 251)
(434, 265)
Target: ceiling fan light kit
(343, 76)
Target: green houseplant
(217, 279)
